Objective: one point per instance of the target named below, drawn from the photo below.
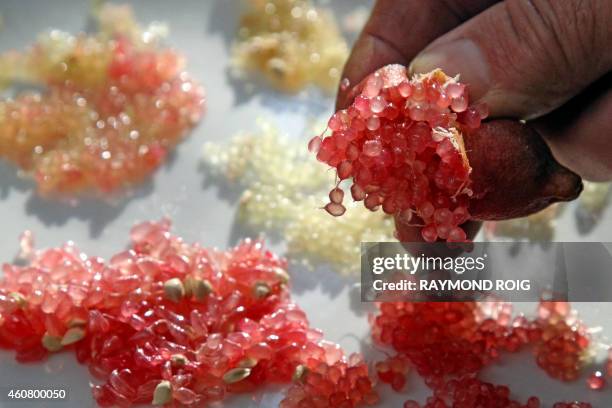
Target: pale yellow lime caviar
(594, 198)
(291, 43)
(284, 189)
(535, 227)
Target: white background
(202, 30)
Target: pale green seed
(236, 374)
(261, 290)
(201, 288)
(72, 336)
(179, 359)
(51, 343)
(247, 362)
(163, 393)
(281, 274)
(188, 286)
(299, 373)
(174, 290)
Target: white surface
(202, 30)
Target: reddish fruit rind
(449, 344)
(173, 323)
(514, 173)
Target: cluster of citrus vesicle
(169, 322)
(292, 43)
(400, 142)
(115, 104)
(450, 344)
(282, 187)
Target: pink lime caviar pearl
(170, 322)
(403, 153)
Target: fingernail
(461, 57)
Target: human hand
(545, 61)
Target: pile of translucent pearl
(116, 102)
(449, 344)
(400, 142)
(167, 322)
(282, 190)
(291, 43)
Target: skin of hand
(545, 61)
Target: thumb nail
(462, 57)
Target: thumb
(525, 58)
